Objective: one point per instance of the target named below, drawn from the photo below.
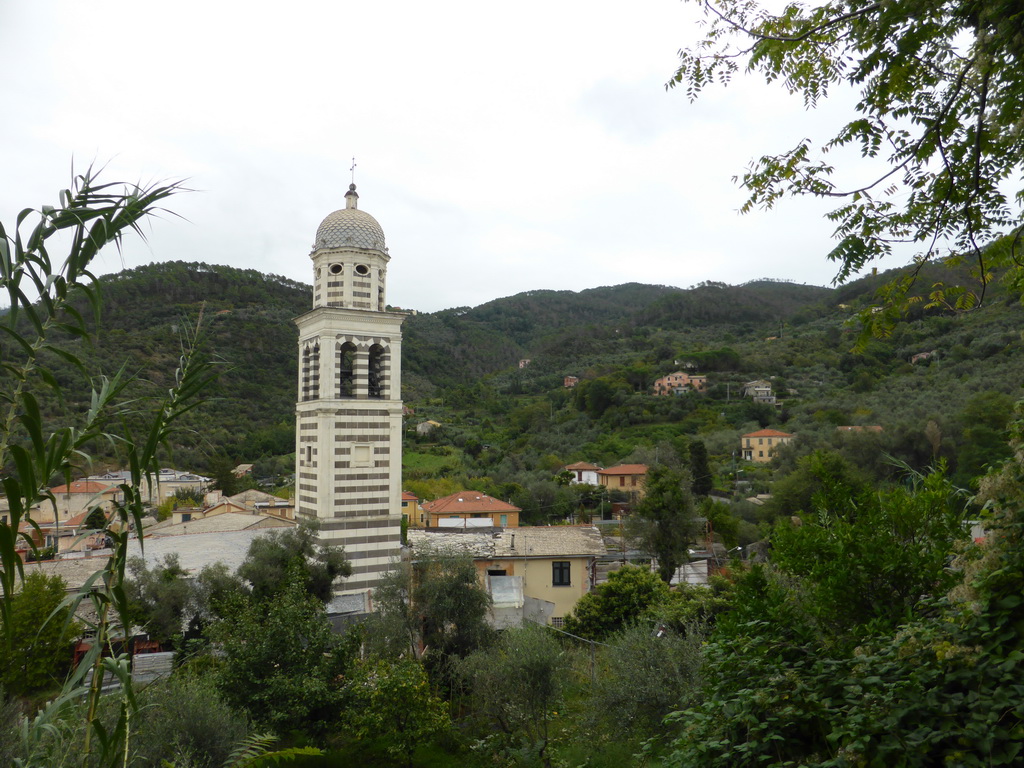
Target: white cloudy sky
(503, 147)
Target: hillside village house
(249, 502)
(760, 391)
(412, 511)
(470, 509)
(168, 481)
(582, 472)
(537, 572)
(679, 382)
(77, 497)
(426, 427)
(628, 478)
(760, 446)
(63, 535)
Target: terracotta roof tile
(469, 501)
(625, 469)
(83, 486)
(769, 433)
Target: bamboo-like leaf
(93, 215)
(20, 340)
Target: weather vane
(353, 169)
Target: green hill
(513, 425)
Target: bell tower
(348, 444)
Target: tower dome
(350, 228)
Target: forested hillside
(507, 428)
(245, 320)
(890, 620)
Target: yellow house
(628, 478)
(412, 511)
(553, 566)
(760, 446)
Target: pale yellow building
(760, 446)
(628, 478)
(553, 566)
(77, 497)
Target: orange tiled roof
(79, 519)
(582, 465)
(83, 486)
(625, 469)
(768, 433)
(469, 501)
(406, 496)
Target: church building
(349, 413)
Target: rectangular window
(504, 521)
(560, 573)
(558, 622)
(622, 481)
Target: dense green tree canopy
(392, 702)
(664, 523)
(941, 93)
(271, 558)
(282, 659)
(35, 649)
(436, 609)
(627, 597)
(516, 686)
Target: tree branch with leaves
(940, 97)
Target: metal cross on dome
(353, 170)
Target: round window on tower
(318, 271)
(335, 269)
(362, 269)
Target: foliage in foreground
(40, 632)
(516, 689)
(43, 295)
(626, 598)
(806, 672)
(282, 661)
(392, 702)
